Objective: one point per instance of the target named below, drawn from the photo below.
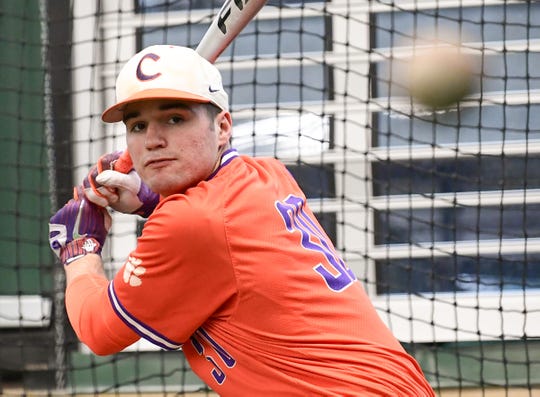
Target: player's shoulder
(262, 161)
(185, 205)
(183, 217)
(267, 165)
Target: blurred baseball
(440, 76)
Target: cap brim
(116, 112)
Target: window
(452, 210)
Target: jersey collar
(227, 156)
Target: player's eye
(175, 119)
(137, 127)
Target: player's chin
(167, 184)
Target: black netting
(436, 209)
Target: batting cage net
(423, 168)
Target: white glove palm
(113, 182)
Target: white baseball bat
(233, 16)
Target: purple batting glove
(94, 191)
(77, 229)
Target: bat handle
(124, 164)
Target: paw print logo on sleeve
(133, 271)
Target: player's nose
(154, 136)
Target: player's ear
(223, 123)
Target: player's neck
(220, 152)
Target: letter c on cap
(140, 74)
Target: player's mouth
(158, 163)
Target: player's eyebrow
(165, 106)
(130, 116)
(175, 105)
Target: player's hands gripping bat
(113, 182)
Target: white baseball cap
(167, 72)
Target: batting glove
(113, 182)
(77, 229)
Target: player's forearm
(90, 264)
(89, 310)
(77, 232)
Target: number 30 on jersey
(336, 274)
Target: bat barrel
(233, 16)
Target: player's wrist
(79, 248)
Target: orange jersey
(239, 274)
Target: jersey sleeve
(179, 275)
(92, 317)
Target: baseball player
(232, 267)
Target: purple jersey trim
(141, 329)
(226, 158)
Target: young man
(232, 266)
